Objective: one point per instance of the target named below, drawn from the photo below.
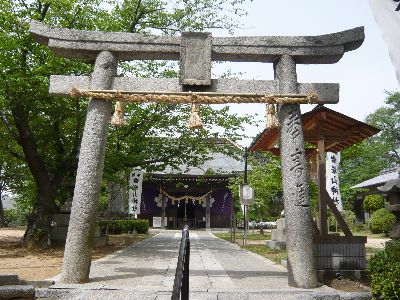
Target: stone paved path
(376, 243)
(218, 270)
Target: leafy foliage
(14, 218)
(43, 132)
(366, 159)
(265, 177)
(373, 202)
(124, 226)
(382, 221)
(350, 219)
(384, 272)
(387, 118)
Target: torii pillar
(196, 51)
(298, 219)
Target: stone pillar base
(276, 245)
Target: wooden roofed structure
(325, 130)
(339, 131)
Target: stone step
(9, 279)
(17, 291)
(211, 294)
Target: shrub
(124, 226)
(373, 203)
(381, 221)
(350, 219)
(14, 217)
(384, 272)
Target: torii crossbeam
(195, 51)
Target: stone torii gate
(195, 52)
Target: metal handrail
(181, 282)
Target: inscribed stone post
(116, 198)
(299, 237)
(208, 210)
(164, 201)
(78, 248)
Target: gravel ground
(12, 234)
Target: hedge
(381, 221)
(384, 272)
(124, 226)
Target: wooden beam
(323, 218)
(338, 216)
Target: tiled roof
(218, 163)
(381, 179)
(340, 131)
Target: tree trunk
(39, 221)
(3, 222)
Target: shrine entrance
(200, 201)
(195, 51)
(186, 214)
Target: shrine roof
(339, 131)
(217, 164)
(381, 179)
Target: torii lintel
(322, 49)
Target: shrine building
(197, 196)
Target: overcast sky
(364, 74)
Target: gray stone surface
(77, 255)
(62, 219)
(305, 49)
(117, 198)
(195, 58)
(218, 270)
(208, 213)
(58, 235)
(279, 234)
(392, 191)
(299, 238)
(60, 85)
(9, 279)
(276, 245)
(17, 292)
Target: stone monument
(391, 190)
(195, 51)
(117, 200)
(278, 236)
(58, 233)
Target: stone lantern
(391, 190)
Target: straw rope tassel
(118, 117)
(271, 121)
(194, 119)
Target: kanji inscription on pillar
(135, 191)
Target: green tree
(265, 177)
(387, 119)
(44, 132)
(366, 159)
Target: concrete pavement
(218, 270)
